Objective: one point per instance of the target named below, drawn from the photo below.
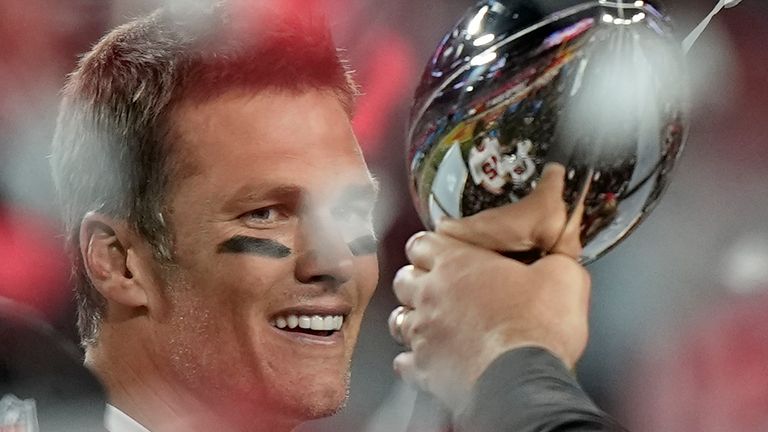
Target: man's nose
(324, 255)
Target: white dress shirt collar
(118, 421)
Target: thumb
(535, 222)
(569, 242)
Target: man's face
(272, 230)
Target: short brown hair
(112, 150)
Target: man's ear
(109, 249)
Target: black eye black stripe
(255, 246)
(364, 245)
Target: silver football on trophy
(597, 86)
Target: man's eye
(265, 215)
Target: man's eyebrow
(252, 193)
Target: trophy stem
(694, 35)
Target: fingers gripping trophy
(541, 128)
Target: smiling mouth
(315, 325)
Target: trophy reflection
(597, 87)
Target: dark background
(678, 309)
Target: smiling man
(218, 213)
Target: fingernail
(413, 239)
(552, 166)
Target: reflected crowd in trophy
(679, 310)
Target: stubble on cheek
(190, 328)
(189, 323)
(325, 403)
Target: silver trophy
(598, 86)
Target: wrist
(496, 346)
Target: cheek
(213, 324)
(368, 278)
(189, 325)
(236, 279)
(221, 303)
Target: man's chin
(320, 401)
(286, 412)
(322, 410)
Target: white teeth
(328, 323)
(305, 322)
(293, 321)
(314, 322)
(317, 323)
(280, 322)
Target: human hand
(467, 304)
(538, 221)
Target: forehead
(237, 139)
